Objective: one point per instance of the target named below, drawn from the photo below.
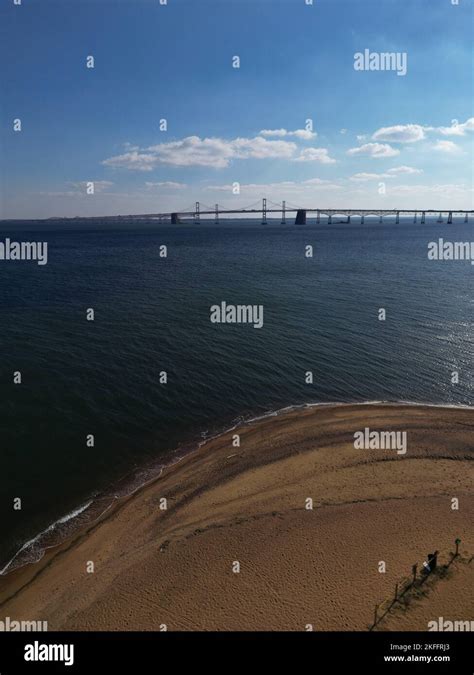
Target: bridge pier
(283, 213)
(397, 219)
(264, 211)
(414, 217)
(318, 217)
(465, 218)
(362, 219)
(216, 217)
(330, 219)
(300, 217)
(174, 219)
(423, 217)
(440, 219)
(450, 218)
(349, 218)
(197, 215)
(380, 219)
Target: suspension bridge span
(265, 207)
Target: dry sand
(247, 504)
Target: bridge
(266, 207)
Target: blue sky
(378, 139)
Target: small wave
(34, 549)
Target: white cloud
(305, 134)
(194, 151)
(315, 155)
(457, 129)
(132, 160)
(260, 148)
(400, 133)
(391, 173)
(362, 177)
(280, 187)
(172, 185)
(398, 170)
(343, 131)
(447, 146)
(375, 150)
(411, 133)
(313, 182)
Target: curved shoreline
(33, 550)
(248, 501)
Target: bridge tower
(283, 212)
(197, 214)
(216, 217)
(264, 211)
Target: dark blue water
(152, 315)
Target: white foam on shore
(338, 404)
(31, 542)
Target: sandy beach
(238, 548)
